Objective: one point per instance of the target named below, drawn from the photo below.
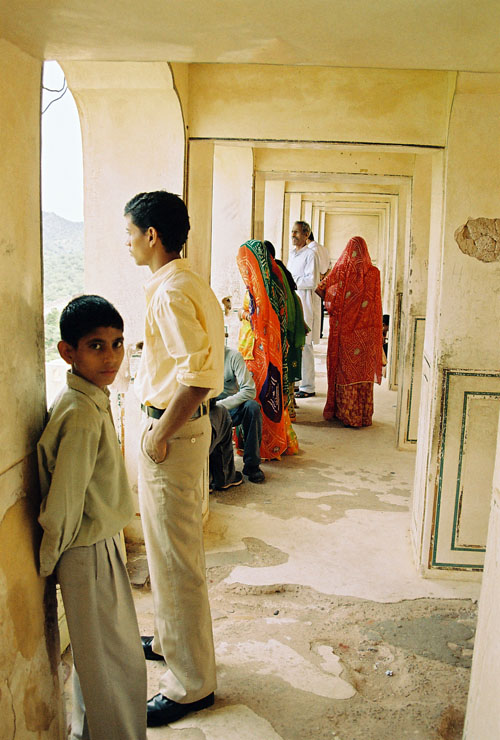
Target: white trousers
(308, 380)
(170, 497)
(110, 698)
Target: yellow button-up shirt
(184, 336)
(85, 491)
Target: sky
(62, 170)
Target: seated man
(223, 474)
(238, 398)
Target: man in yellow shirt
(182, 367)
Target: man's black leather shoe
(162, 711)
(255, 475)
(147, 646)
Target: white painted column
(483, 708)
(320, 236)
(461, 391)
(232, 218)
(199, 202)
(273, 213)
(414, 299)
(402, 245)
(295, 210)
(259, 202)
(315, 216)
(133, 140)
(307, 211)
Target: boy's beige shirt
(85, 491)
(184, 336)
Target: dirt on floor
(401, 670)
(408, 662)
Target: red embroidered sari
(354, 357)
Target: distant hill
(62, 259)
(62, 272)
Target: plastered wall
(30, 701)
(471, 288)
(483, 709)
(318, 104)
(460, 380)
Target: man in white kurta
(303, 264)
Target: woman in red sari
(354, 357)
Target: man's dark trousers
(249, 416)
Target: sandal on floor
(304, 394)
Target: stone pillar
(314, 223)
(199, 200)
(461, 378)
(259, 204)
(295, 210)
(320, 237)
(30, 690)
(133, 140)
(307, 211)
(483, 710)
(232, 217)
(416, 264)
(402, 246)
(273, 213)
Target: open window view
(62, 211)
(251, 476)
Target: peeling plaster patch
(324, 507)
(390, 498)
(236, 721)
(480, 238)
(321, 494)
(275, 658)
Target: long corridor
(323, 627)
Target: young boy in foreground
(86, 502)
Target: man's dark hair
(165, 212)
(311, 237)
(84, 314)
(306, 229)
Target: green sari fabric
(295, 331)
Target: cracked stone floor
(322, 626)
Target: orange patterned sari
(268, 319)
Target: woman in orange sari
(262, 347)
(354, 356)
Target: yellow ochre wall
(319, 104)
(30, 694)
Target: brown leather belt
(158, 413)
